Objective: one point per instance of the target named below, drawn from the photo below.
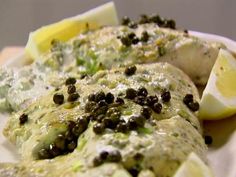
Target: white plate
(221, 155)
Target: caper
(91, 97)
(125, 20)
(165, 96)
(151, 100)
(73, 97)
(58, 98)
(90, 106)
(23, 119)
(71, 89)
(144, 36)
(120, 101)
(122, 127)
(157, 107)
(109, 98)
(71, 146)
(99, 128)
(70, 80)
(60, 142)
(131, 93)
(43, 154)
(130, 70)
(53, 150)
(146, 112)
(126, 41)
(102, 103)
(114, 156)
(97, 161)
(141, 100)
(99, 96)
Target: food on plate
(193, 167)
(40, 40)
(114, 100)
(219, 98)
(137, 119)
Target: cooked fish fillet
(164, 141)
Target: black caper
(131, 93)
(188, 98)
(58, 98)
(71, 89)
(208, 139)
(138, 157)
(109, 98)
(81, 126)
(130, 70)
(53, 150)
(83, 76)
(126, 41)
(171, 24)
(141, 100)
(132, 124)
(69, 136)
(91, 97)
(60, 142)
(109, 123)
(157, 107)
(100, 96)
(142, 91)
(99, 128)
(122, 127)
(97, 161)
(144, 19)
(71, 145)
(135, 40)
(100, 117)
(151, 100)
(70, 81)
(102, 103)
(103, 155)
(131, 35)
(165, 96)
(114, 156)
(140, 120)
(155, 19)
(193, 106)
(120, 100)
(132, 25)
(43, 154)
(134, 171)
(90, 106)
(23, 119)
(146, 112)
(113, 113)
(71, 124)
(100, 110)
(125, 20)
(73, 97)
(144, 36)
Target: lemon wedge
(219, 97)
(40, 40)
(193, 167)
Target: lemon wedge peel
(39, 41)
(219, 97)
(193, 167)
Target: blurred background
(19, 17)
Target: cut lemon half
(219, 97)
(40, 40)
(193, 167)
